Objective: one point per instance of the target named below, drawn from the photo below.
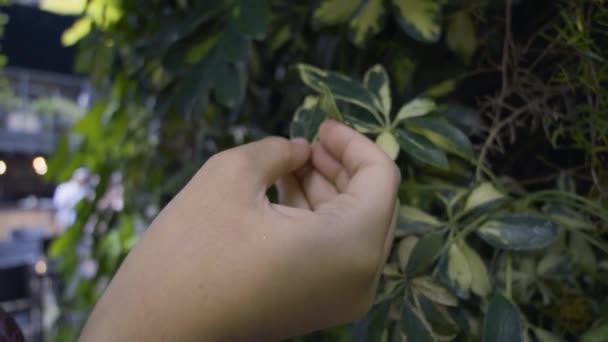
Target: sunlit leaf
(460, 35)
(389, 144)
(421, 20)
(420, 148)
(376, 80)
(63, 7)
(518, 232)
(502, 323)
(77, 31)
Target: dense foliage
(494, 111)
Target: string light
(39, 164)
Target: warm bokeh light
(2, 167)
(40, 267)
(39, 164)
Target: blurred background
(108, 107)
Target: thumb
(273, 157)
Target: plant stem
(509, 277)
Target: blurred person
(67, 195)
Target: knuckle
(228, 161)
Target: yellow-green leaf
(458, 271)
(483, 194)
(333, 12)
(77, 31)
(63, 7)
(415, 214)
(367, 21)
(441, 89)
(307, 119)
(480, 283)
(415, 108)
(420, 19)
(200, 49)
(377, 82)
(389, 144)
(405, 249)
(546, 336)
(426, 286)
(343, 88)
(460, 35)
(582, 252)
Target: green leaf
(597, 333)
(405, 249)
(371, 327)
(333, 12)
(459, 273)
(199, 50)
(252, 17)
(421, 20)
(441, 89)
(443, 135)
(413, 325)
(377, 82)
(230, 83)
(415, 108)
(412, 220)
(425, 253)
(427, 287)
(327, 103)
(502, 323)
(421, 149)
(519, 232)
(389, 144)
(463, 117)
(546, 336)
(460, 36)
(485, 194)
(367, 22)
(307, 119)
(77, 31)
(582, 253)
(343, 87)
(480, 283)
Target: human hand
(223, 263)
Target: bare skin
(222, 263)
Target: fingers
(263, 162)
(317, 189)
(290, 192)
(329, 167)
(372, 173)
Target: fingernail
(300, 140)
